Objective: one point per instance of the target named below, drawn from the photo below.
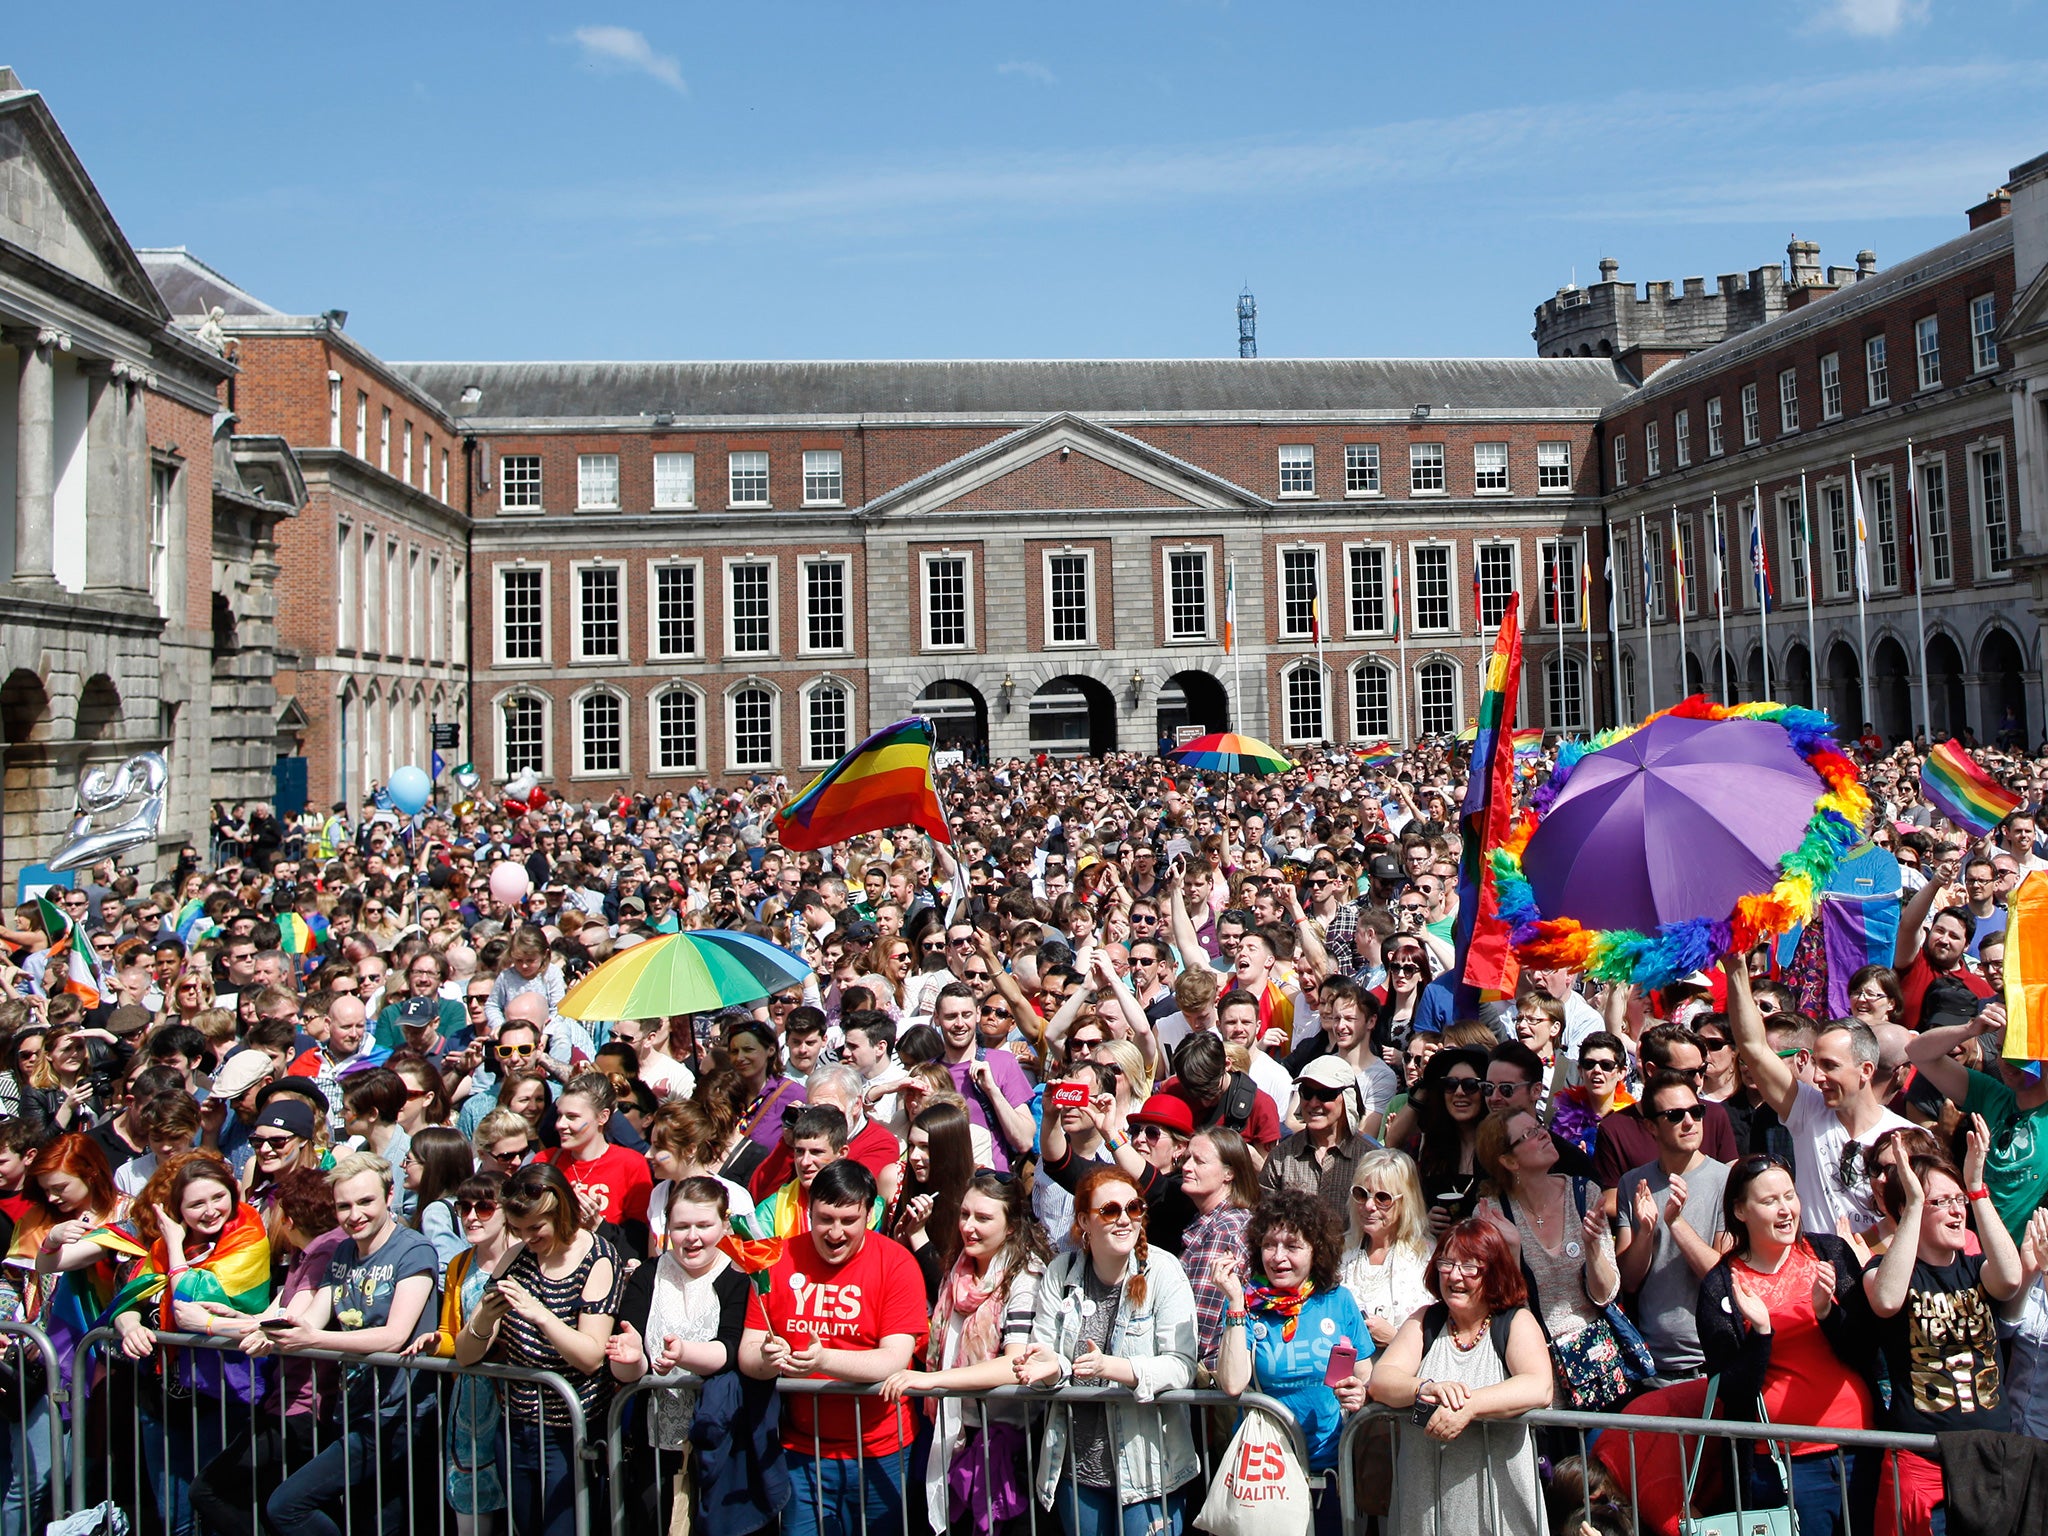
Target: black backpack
(1239, 1100)
(1437, 1317)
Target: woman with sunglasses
(1385, 1264)
(191, 994)
(475, 1488)
(1409, 1006)
(1116, 1312)
(894, 965)
(1784, 1324)
(1449, 1104)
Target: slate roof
(598, 391)
(190, 287)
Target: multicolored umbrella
(695, 971)
(1228, 752)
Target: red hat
(1168, 1110)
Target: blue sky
(885, 179)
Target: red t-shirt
(618, 1176)
(1261, 1130)
(874, 1147)
(877, 1292)
(1918, 976)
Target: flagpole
(1720, 603)
(1401, 641)
(1678, 566)
(1812, 645)
(1322, 670)
(1862, 573)
(1649, 633)
(1233, 641)
(1762, 564)
(1556, 628)
(1919, 580)
(1586, 627)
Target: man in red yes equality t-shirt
(844, 1304)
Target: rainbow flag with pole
(2026, 972)
(1485, 961)
(1968, 796)
(886, 781)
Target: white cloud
(624, 48)
(1029, 69)
(1871, 18)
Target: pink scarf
(980, 1302)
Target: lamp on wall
(1009, 686)
(1137, 687)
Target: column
(35, 466)
(136, 549)
(111, 531)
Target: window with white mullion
(1432, 588)
(1941, 566)
(825, 605)
(750, 605)
(677, 747)
(1496, 582)
(1372, 702)
(598, 619)
(600, 728)
(675, 610)
(945, 602)
(1068, 619)
(1371, 612)
(1299, 589)
(522, 624)
(1187, 594)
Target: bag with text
(1260, 1489)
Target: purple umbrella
(1680, 820)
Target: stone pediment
(50, 209)
(1065, 463)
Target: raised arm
(1912, 922)
(1929, 1051)
(1773, 1078)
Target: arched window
(752, 730)
(601, 733)
(523, 735)
(1628, 686)
(1372, 702)
(828, 716)
(1303, 689)
(677, 746)
(1436, 698)
(373, 739)
(1565, 686)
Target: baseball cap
(1386, 868)
(1167, 1110)
(633, 906)
(291, 1114)
(419, 1012)
(1329, 1072)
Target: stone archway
(1945, 695)
(1193, 699)
(2003, 666)
(1073, 716)
(1891, 690)
(1794, 685)
(1695, 675)
(1845, 689)
(959, 717)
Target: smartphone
(275, 1324)
(1343, 1361)
(1068, 1096)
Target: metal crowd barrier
(137, 1412)
(1487, 1483)
(911, 1462)
(32, 1436)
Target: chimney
(1996, 205)
(1609, 267)
(1866, 265)
(1804, 256)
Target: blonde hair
(355, 1165)
(217, 1024)
(1126, 1056)
(1385, 1168)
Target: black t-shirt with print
(1942, 1352)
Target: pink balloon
(509, 884)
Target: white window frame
(1717, 428)
(1625, 573)
(394, 620)
(695, 650)
(726, 604)
(547, 614)
(347, 601)
(1788, 401)
(436, 609)
(1362, 464)
(1798, 568)
(926, 559)
(805, 565)
(1413, 595)
(836, 472)
(1657, 549)
(1388, 554)
(363, 425)
(498, 729)
(1548, 552)
(1288, 675)
(1514, 549)
(579, 745)
(414, 616)
(1419, 465)
(664, 500)
(578, 651)
(1653, 450)
(1621, 458)
(1837, 516)
(1831, 386)
(1354, 681)
(384, 438)
(427, 463)
(1980, 536)
(373, 595)
(407, 456)
(1282, 629)
(536, 485)
(1558, 667)
(444, 475)
(732, 734)
(1883, 512)
(593, 470)
(1297, 463)
(1927, 353)
(1752, 415)
(1479, 474)
(811, 755)
(732, 468)
(1204, 557)
(334, 411)
(1681, 436)
(1046, 558)
(458, 615)
(1877, 371)
(1983, 333)
(655, 695)
(1550, 457)
(1457, 701)
(1935, 521)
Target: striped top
(522, 1342)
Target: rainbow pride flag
(1374, 757)
(236, 1271)
(1964, 793)
(2026, 971)
(886, 781)
(298, 936)
(1528, 741)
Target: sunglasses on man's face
(516, 1050)
(1682, 1113)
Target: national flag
(1315, 618)
(71, 966)
(1551, 598)
(886, 781)
(1586, 595)
(1230, 611)
(1720, 562)
(1912, 527)
(1760, 563)
(1478, 604)
(1648, 575)
(2026, 974)
(1485, 959)
(1678, 565)
(1397, 599)
(1862, 535)
(1968, 796)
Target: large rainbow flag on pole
(886, 781)
(1968, 796)
(2026, 971)
(1485, 957)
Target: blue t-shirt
(1292, 1370)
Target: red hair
(1084, 1202)
(81, 1158)
(1500, 1275)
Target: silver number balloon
(143, 776)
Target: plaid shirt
(1340, 937)
(1219, 1234)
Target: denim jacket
(1155, 1449)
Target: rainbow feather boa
(1656, 959)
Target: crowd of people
(1149, 1080)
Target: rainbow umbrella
(696, 971)
(1228, 752)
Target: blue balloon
(410, 789)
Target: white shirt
(1272, 1080)
(669, 1078)
(1821, 1138)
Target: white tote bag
(1260, 1488)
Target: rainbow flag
(298, 936)
(2026, 971)
(1963, 792)
(71, 967)
(886, 781)
(1528, 741)
(1373, 757)
(192, 924)
(236, 1271)
(1485, 961)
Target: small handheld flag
(1968, 796)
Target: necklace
(1478, 1333)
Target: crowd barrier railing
(168, 1419)
(31, 1431)
(1489, 1471)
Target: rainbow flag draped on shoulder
(886, 781)
(236, 1272)
(1968, 796)
(1485, 957)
